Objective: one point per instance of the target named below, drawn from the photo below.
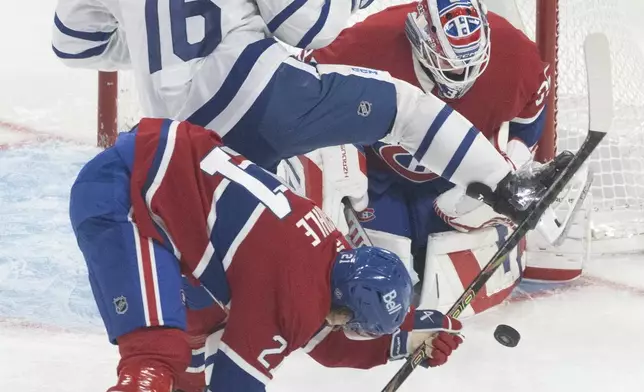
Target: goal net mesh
(618, 187)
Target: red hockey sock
(150, 359)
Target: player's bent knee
(101, 190)
(135, 280)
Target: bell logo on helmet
(349, 257)
(391, 305)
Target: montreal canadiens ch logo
(367, 215)
(462, 26)
(403, 163)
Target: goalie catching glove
(517, 192)
(440, 332)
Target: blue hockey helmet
(375, 286)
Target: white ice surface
(583, 337)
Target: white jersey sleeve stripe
(94, 36)
(445, 145)
(236, 93)
(317, 27)
(85, 54)
(286, 13)
(256, 81)
(460, 153)
(436, 125)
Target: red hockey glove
(440, 332)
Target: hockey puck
(506, 335)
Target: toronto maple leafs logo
(120, 304)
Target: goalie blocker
(452, 258)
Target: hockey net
(617, 199)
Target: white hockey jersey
(213, 63)
(168, 43)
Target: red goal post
(108, 108)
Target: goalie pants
(406, 209)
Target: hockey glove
(464, 213)
(517, 192)
(441, 332)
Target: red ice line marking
(597, 281)
(35, 135)
(584, 281)
(31, 325)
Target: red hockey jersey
(263, 253)
(512, 88)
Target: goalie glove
(464, 213)
(517, 192)
(440, 332)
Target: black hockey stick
(600, 113)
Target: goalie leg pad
(454, 259)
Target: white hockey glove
(330, 174)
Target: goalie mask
(451, 40)
(374, 285)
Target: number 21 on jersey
(191, 30)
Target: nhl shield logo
(120, 304)
(364, 109)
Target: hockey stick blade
(558, 235)
(600, 111)
(600, 88)
(597, 56)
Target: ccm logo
(391, 305)
(365, 71)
